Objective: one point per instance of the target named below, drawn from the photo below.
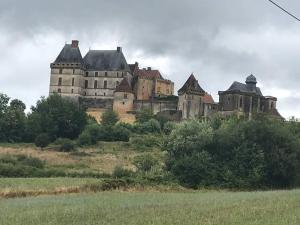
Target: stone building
(246, 99)
(103, 79)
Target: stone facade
(103, 80)
(246, 99)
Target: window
(95, 94)
(117, 74)
(59, 81)
(105, 84)
(104, 93)
(84, 93)
(73, 81)
(272, 105)
(168, 91)
(241, 102)
(72, 91)
(158, 89)
(86, 84)
(117, 83)
(125, 96)
(122, 74)
(59, 90)
(106, 74)
(86, 74)
(95, 84)
(73, 71)
(60, 71)
(96, 74)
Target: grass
(116, 208)
(102, 158)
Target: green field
(117, 208)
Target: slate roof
(243, 88)
(251, 79)
(124, 86)
(191, 86)
(69, 54)
(110, 60)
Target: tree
(109, 118)
(42, 140)
(144, 116)
(56, 116)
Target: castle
(103, 80)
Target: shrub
(151, 126)
(144, 116)
(120, 133)
(42, 140)
(109, 118)
(120, 172)
(84, 139)
(144, 163)
(169, 127)
(145, 142)
(65, 145)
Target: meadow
(122, 208)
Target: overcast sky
(220, 41)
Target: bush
(85, 139)
(144, 116)
(109, 118)
(120, 172)
(144, 163)
(145, 142)
(65, 145)
(120, 133)
(151, 126)
(169, 127)
(42, 140)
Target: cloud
(220, 41)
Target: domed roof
(251, 79)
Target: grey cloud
(188, 33)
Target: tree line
(225, 153)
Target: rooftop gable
(191, 86)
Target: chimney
(149, 68)
(119, 49)
(75, 43)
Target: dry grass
(103, 158)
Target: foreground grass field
(115, 208)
